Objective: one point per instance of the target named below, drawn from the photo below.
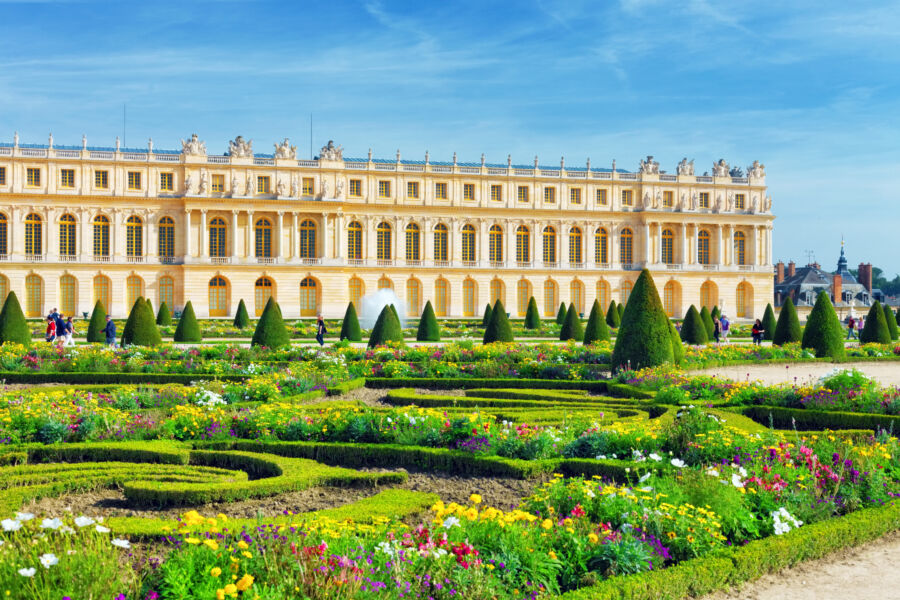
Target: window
(356, 291)
(385, 284)
(309, 186)
(625, 291)
(101, 180)
(709, 295)
(627, 198)
(744, 300)
(497, 192)
(101, 236)
(497, 292)
(575, 252)
(670, 293)
(262, 291)
(468, 191)
(549, 237)
(601, 240)
(33, 234)
(441, 297)
(167, 239)
(704, 199)
(66, 236)
(413, 296)
(550, 296)
(4, 288)
(740, 242)
(263, 241)
(576, 295)
(468, 243)
(440, 191)
(2, 175)
(217, 239)
(495, 244)
(356, 188)
(34, 296)
(308, 239)
(383, 241)
(32, 177)
(67, 178)
(218, 297)
(604, 297)
(550, 195)
(384, 189)
(218, 183)
(575, 195)
(469, 299)
(601, 197)
(626, 246)
(167, 292)
(523, 244)
(667, 248)
(523, 296)
(134, 238)
(412, 242)
(4, 236)
(134, 180)
(263, 183)
(134, 289)
(412, 190)
(440, 242)
(703, 247)
(522, 193)
(668, 199)
(102, 291)
(166, 182)
(67, 288)
(354, 241)
(740, 202)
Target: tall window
(263, 232)
(383, 241)
(385, 284)
(667, 248)
(4, 236)
(101, 180)
(166, 238)
(217, 247)
(166, 182)
(218, 183)
(468, 191)
(549, 238)
(102, 292)
(33, 234)
(134, 237)
(497, 192)
(32, 177)
(34, 296)
(101, 235)
(550, 298)
(354, 240)
(575, 252)
(67, 295)
(523, 296)
(263, 184)
(740, 243)
(469, 298)
(468, 243)
(384, 189)
(308, 239)
(668, 199)
(2, 175)
(704, 199)
(703, 247)
(441, 297)
(67, 178)
(550, 195)
(440, 191)
(604, 295)
(670, 298)
(625, 291)
(495, 243)
(627, 198)
(709, 295)
(601, 197)
(134, 180)
(4, 288)
(167, 292)
(413, 297)
(575, 196)
(523, 244)
(440, 242)
(576, 294)
(412, 242)
(497, 292)
(134, 289)
(67, 236)
(309, 186)
(522, 193)
(355, 188)
(740, 202)
(262, 291)
(356, 291)
(626, 246)
(412, 190)
(744, 300)
(218, 297)
(601, 246)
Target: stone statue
(204, 183)
(645, 203)
(729, 201)
(188, 183)
(649, 166)
(756, 170)
(194, 147)
(753, 200)
(280, 188)
(235, 184)
(240, 148)
(331, 152)
(248, 191)
(767, 205)
(685, 167)
(694, 201)
(285, 150)
(50, 141)
(324, 187)
(720, 169)
(84, 142)
(295, 190)
(682, 201)
(736, 172)
(340, 189)
(718, 203)
(657, 200)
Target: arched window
(667, 248)
(67, 246)
(101, 236)
(576, 294)
(575, 252)
(218, 297)
(166, 239)
(356, 291)
(523, 244)
(740, 243)
(308, 239)
(523, 296)
(601, 247)
(604, 295)
(703, 247)
(134, 237)
(550, 298)
(440, 242)
(626, 246)
(413, 245)
(709, 295)
(441, 297)
(549, 238)
(33, 234)
(4, 288)
(34, 296)
(102, 292)
(262, 291)
(354, 241)
(263, 232)
(134, 289)
(4, 234)
(67, 287)
(498, 292)
(413, 297)
(217, 240)
(469, 298)
(383, 239)
(625, 291)
(495, 244)
(671, 298)
(744, 300)
(385, 284)
(167, 292)
(468, 243)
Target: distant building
(804, 284)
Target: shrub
(620, 309)
(715, 313)
(486, 318)
(140, 328)
(891, 321)
(898, 317)
(596, 329)
(823, 332)
(532, 316)
(643, 339)
(706, 317)
(386, 329)
(241, 318)
(149, 305)
(561, 314)
(499, 329)
(396, 314)
(768, 323)
(677, 346)
(188, 330)
(429, 330)
(787, 330)
(270, 330)
(95, 331)
(693, 331)
(612, 315)
(571, 329)
(13, 326)
(164, 315)
(350, 325)
(875, 331)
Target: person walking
(320, 330)
(70, 332)
(757, 332)
(50, 334)
(110, 331)
(859, 328)
(717, 329)
(60, 330)
(726, 325)
(851, 328)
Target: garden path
(886, 373)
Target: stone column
(481, 251)
(204, 235)
(685, 256)
(590, 249)
(696, 253)
(327, 234)
(339, 236)
(188, 251)
(613, 246)
(648, 256)
(752, 255)
(721, 249)
(52, 235)
(84, 223)
(295, 237)
(152, 242)
(16, 244)
(279, 232)
(234, 234)
(510, 232)
(114, 235)
(248, 236)
(452, 253)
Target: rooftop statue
(720, 169)
(194, 147)
(685, 167)
(756, 170)
(240, 148)
(649, 166)
(331, 152)
(285, 150)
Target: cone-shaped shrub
(150, 305)
(270, 330)
(769, 324)
(677, 346)
(499, 329)
(715, 313)
(823, 333)
(188, 329)
(95, 332)
(486, 317)
(532, 316)
(706, 318)
(396, 315)
(898, 317)
(596, 329)
(13, 326)
(643, 339)
(571, 328)
(241, 318)
(163, 315)
(561, 313)
(350, 325)
(693, 331)
(386, 329)
(875, 331)
(429, 330)
(620, 308)
(787, 330)
(140, 328)
(890, 320)
(612, 315)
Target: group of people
(854, 327)
(721, 327)
(60, 329)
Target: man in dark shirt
(110, 331)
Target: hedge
(241, 318)
(96, 327)
(488, 312)
(69, 377)
(787, 329)
(498, 328)
(571, 328)
(454, 383)
(350, 329)
(140, 328)
(347, 386)
(823, 333)
(769, 323)
(270, 330)
(429, 330)
(532, 316)
(804, 419)
(643, 339)
(693, 331)
(13, 327)
(163, 315)
(188, 329)
(612, 315)
(596, 329)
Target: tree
(612, 315)
(768, 323)
(150, 305)
(188, 329)
(486, 318)
(386, 328)
(350, 325)
(140, 328)
(571, 329)
(429, 330)
(499, 329)
(596, 329)
(677, 346)
(644, 338)
(163, 316)
(787, 330)
(823, 333)
(620, 308)
(270, 330)
(532, 316)
(898, 316)
(693, 331)
(706, 317)
(875, 331)
(890, 320)
(241, 318)
(13, 326)
(715, 313)
(96, 332)
(561, 313)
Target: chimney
(816, 265)
(779, 272)
(865, 276)
(792, 269)
(837, 289)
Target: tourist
(851, 328)
(717, 329)
(110, 331)
(50, 334)
(60, 329)
(53, 314)
(320, 330)
(70, 332)
(757, 332)
(725, 327)
(859, 327)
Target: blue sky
(811, 91)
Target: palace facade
(80, 224)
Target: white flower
(712, 473)
(102, 529)
(451, 522)
(644, 478)
(24, 516)
(11, 525)
(655, 456)
(48, 560)
(742, 471)
(601, 457)
(677, 462)
(51, 523)
(83, 521)
(646, 488)
(736, 481)
(119, 542)
(27, 572)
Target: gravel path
(886, 373)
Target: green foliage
(677, 346)
(188, 329)
(140, 328)
(241, 318)
(643, 338)
(898, 317)
(350, 325)
(706, 318)
(429, 330)
(396, 314)
(891, 321)
(97, 323)
(149, 305)
(787, 330)
(486, 318)
(875, 331)
(596, 329)
(499, 329)
(270, 330)
(693, 331)
(620, 309)
(533, 317)
(571, 329)
(561, 314)
(823, 333)
(613, 319)
(13, 326)
(164, 315)
(386, 329)
(715, 313)
(768, 323)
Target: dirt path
(886, 373)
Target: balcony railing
(550, 265)
(745, 267)
(68, 258)
(523, 264)
(413, 262)
(310, 260)
(102, 258)
(167, 260)
(470, 263)
(265, 260)
(673, 266)
(135, 259)
(384, 262)
(220, 260)
(710, 267)
(442, 263)
(34, 258)
(602, 265)
(356, 262)
(576, 265)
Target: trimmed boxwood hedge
(140, 328)
(571, 328)
(75, 377)
(643, 338)
(498, 328)
(532, 316)
(350, 329)
(612, 315)
(429, 330)
(453, 383)
(805, 419)
(693, 331)
(596, 329)
(188, 329)
(891, 321)
(270, 330)
(787, 330)
(706, 318)
(486, 318)
(823, 333)
(164, 315)
(95, 331)
(769, 324)
(241, 318)
(13, 326)
(875, 331)
(386, 328)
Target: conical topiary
(499, 329)
(890, 320)
(620, 308)
(561, 313)
(13, 326)
(140, 328)
(612, 315)
(163, 315)
(241, 317)
(898, 316)
(692, 329)
(596, 329)
(386, 329)
(571, 328)
(875, 331)
(150, 305)
(396, 315)
(429, 330)
(532, 316)
(350, 325)
(787, 330)
(769, 324)
(95, 332)
(823, 333)
(715, 313)
(270, 330)
(706, 318)
(486, 318)
(677, 346)
(188, 329)
(644, 338)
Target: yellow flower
(475, 499)
(592, 537)
(246, 554)
(547, 524)
(192, 540)
(671, 535)
(242, 545)
(211, 544)
(220, 594)
(231, 589)
(552, 554)
(215, 571)
(245, 582)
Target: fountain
(371, 305)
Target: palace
(80, 224)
